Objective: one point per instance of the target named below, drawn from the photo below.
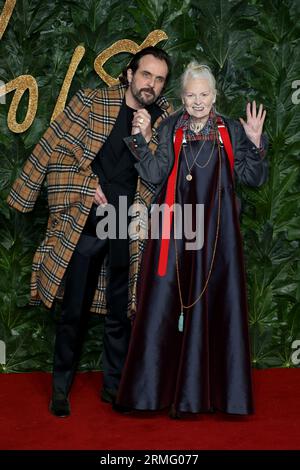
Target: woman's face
(198, 98)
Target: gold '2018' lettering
(27, 82)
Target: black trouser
(81, 281)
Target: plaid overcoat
(63, 157)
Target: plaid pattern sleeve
(27, 187)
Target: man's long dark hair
(134, 63)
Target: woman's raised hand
(255, 121)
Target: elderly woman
(190, 347)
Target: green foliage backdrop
(253, 49)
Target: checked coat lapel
(103, 114)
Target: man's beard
(144, 101)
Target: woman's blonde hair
(196, 70)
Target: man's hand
(100, 198)
(255, 121)
(142, 123)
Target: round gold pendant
(189, 177)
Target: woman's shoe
(123, 409)
(173, 413)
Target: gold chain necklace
(181, 316)
(189, 175)
(207, 162)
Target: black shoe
(122, 408)
(174, 414)
(60, 406)
(108, 396)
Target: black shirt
(114, 166)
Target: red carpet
(25, 422)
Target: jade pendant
(180, 322)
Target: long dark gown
(207, 366)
